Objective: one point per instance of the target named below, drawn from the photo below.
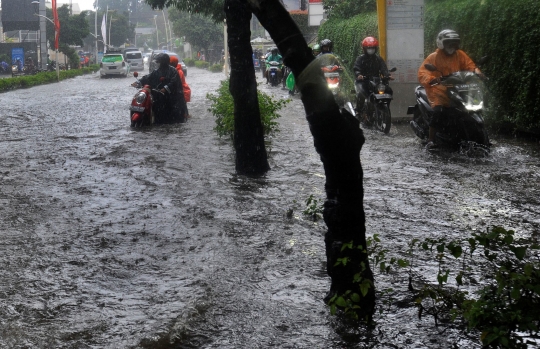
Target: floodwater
(112, 237)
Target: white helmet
(446, 38)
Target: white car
(135, 60)
(113, 64)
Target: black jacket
(171, 81)
(371, 66)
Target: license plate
(113, 67)
(331, 75)
(134, 108)
(384, 96)
(134, 64)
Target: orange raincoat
(446, 64)
(187, 90)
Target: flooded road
(112, 237)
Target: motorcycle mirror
(135, 74)
(430, 67)
(393, 70)
(483, 60)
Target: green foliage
(199, 30)
(506, 311)
(42, 78)
(348, 8)
(216, 68)
(190, 62)
(348, 34)
(202, 64)
(222, 107)
(314, 208)
(506, 32)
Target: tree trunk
(338, 140)
(251, 157)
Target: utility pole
(95, 24)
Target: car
(135, 60)
(113, 64)
(152, 65)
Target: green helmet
(316, 48)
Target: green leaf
(457, 251)
(440, 248)
(355, 297)
(528, 269)
(519, 252)
(516, 293)
(341, 302)
(459, 279)
(403, 263)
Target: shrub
(190, 62)
(216, 68)
(222, 107)
(202, 64)
(41, 78)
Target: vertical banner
(405, 38)
(104, 32)
(56, 25)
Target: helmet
(328, 44)
(370, 42)
(316, 48)
(274, 50)
(448, 38)
(174, 61)
(162, 59)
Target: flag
(56, 24)
(104, 31)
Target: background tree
(198, 30)
(348, 8)
(73, 29)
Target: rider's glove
(435, 81)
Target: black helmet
(274, 50)
(162, 59)
(326, 43)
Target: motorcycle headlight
(140, 97)
(381, 88)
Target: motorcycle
(376, 109)
(272, 69)
(465, 130)
(333, 76)
(146, 103)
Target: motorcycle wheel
(383, 118)
(274, 81)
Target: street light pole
(157, 34)
(56, 52)
(95, 24)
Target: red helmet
(370, 42)
(174, 61)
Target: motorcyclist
(367, 65)
(447, 58)
(263, 61)
(327, 57)
(185, 86)
(316, 50)
(274, 56)
(171, 87)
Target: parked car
(113, 64)
(135, 60)
(152, 65)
